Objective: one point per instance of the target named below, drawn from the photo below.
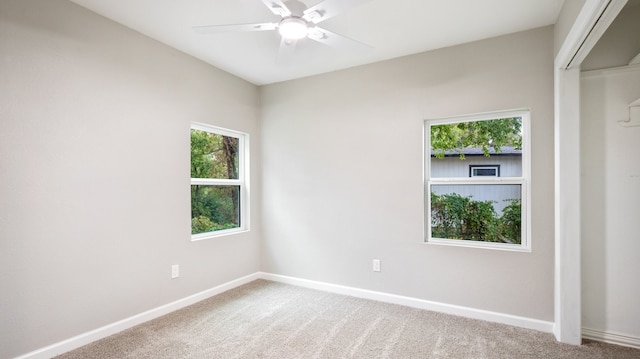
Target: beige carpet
(272, 320)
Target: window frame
(483, 167)
(242, 181)
(524, 181)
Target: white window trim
(242, 181)
(524, 181)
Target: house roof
(477, 151)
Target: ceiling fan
(297, 22)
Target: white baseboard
(612, 338)
(110, 329)
(467, 312)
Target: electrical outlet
(175, 271)
(376, 265)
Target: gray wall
(342, 163)
(94, 173)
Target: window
(477, 173)
(218, 182)
(484, 171)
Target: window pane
(213, 155)
(482, 212)
(484, 171)
(456, 146)
(214, 208)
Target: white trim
(609, 71)
(567, 274)
(216, 182)
(245, 175)
(219, 130)
(113, 328)
(218, 233)
(477, 180)
(466, 312)
(477, 244)
(592, 21)
(481, 116)
(607, 15)
(612, 338)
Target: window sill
(216, 234)
(478, 244)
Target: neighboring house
(505, 163)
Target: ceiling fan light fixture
(293, 28)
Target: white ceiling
(393, 28)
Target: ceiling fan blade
(335, 40)
(286, 52)
(212, 29)
(329, 8)
(277, 7)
